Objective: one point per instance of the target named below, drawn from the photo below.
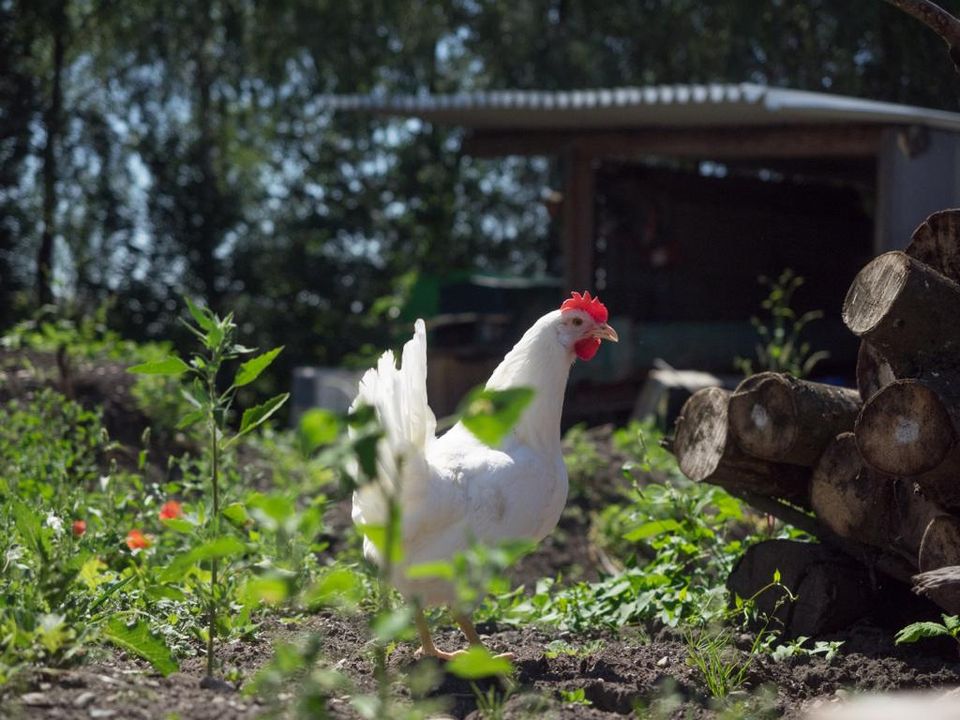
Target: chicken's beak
(605, 332)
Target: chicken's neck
(537, 361)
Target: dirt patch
(616, 672)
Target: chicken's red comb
(592, 306)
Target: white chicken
(453, 490)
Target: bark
(873, 371)
(941, 549)
(832, 590)
(778, 417)
(706, 452)
(907, 311)
(850, 499)
(936, 242)
(910, 426)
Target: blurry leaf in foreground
(318, 427)
(477, 663)
(491, 414)
(393, 625)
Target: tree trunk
(906, 310)
(53, 122)
(909, 427)
(777, 417)
(706, 452)
(850, 499)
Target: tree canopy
(154, 149)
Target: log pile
(872, 471)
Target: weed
(949, 627)
(780, 348)
(211, 406)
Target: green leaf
(477, 663)
(393, 625)
(274, 510)
(28, 525)
(139, 641)
(377, 534)
(652, 529)
(440, 569)
(251, 369)
(339, 586)
(256, 416)
(236, 513)
(171, 365)
(491, 414)
(190, 418)
(318, 427)
(267, 590)
(920, 630)
(201, 316)
(220, 548)
(180, 525)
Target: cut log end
(763, 415)
(874, 291)
(701, 437)
(904, 429)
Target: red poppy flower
(79, 527)
(170, 510)
(136, 540)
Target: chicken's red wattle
(587, 348)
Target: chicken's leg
(427, 648)
(470, 631)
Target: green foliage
(491, 414)
(138, 640)
(781, 348)
(711, 649)
(949, 627)
(575, 697)
(211, 405)
(477, 663)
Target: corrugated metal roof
(652, 106)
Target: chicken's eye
(577, 322)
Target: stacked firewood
(873, 471)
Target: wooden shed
(674, 199)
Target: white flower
(55, 524)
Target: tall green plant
(781, 347)
(212, 407)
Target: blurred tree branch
(937, 19)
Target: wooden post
(578, 240)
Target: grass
(144, 548)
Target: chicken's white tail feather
(399, 397)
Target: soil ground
(620, 673)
